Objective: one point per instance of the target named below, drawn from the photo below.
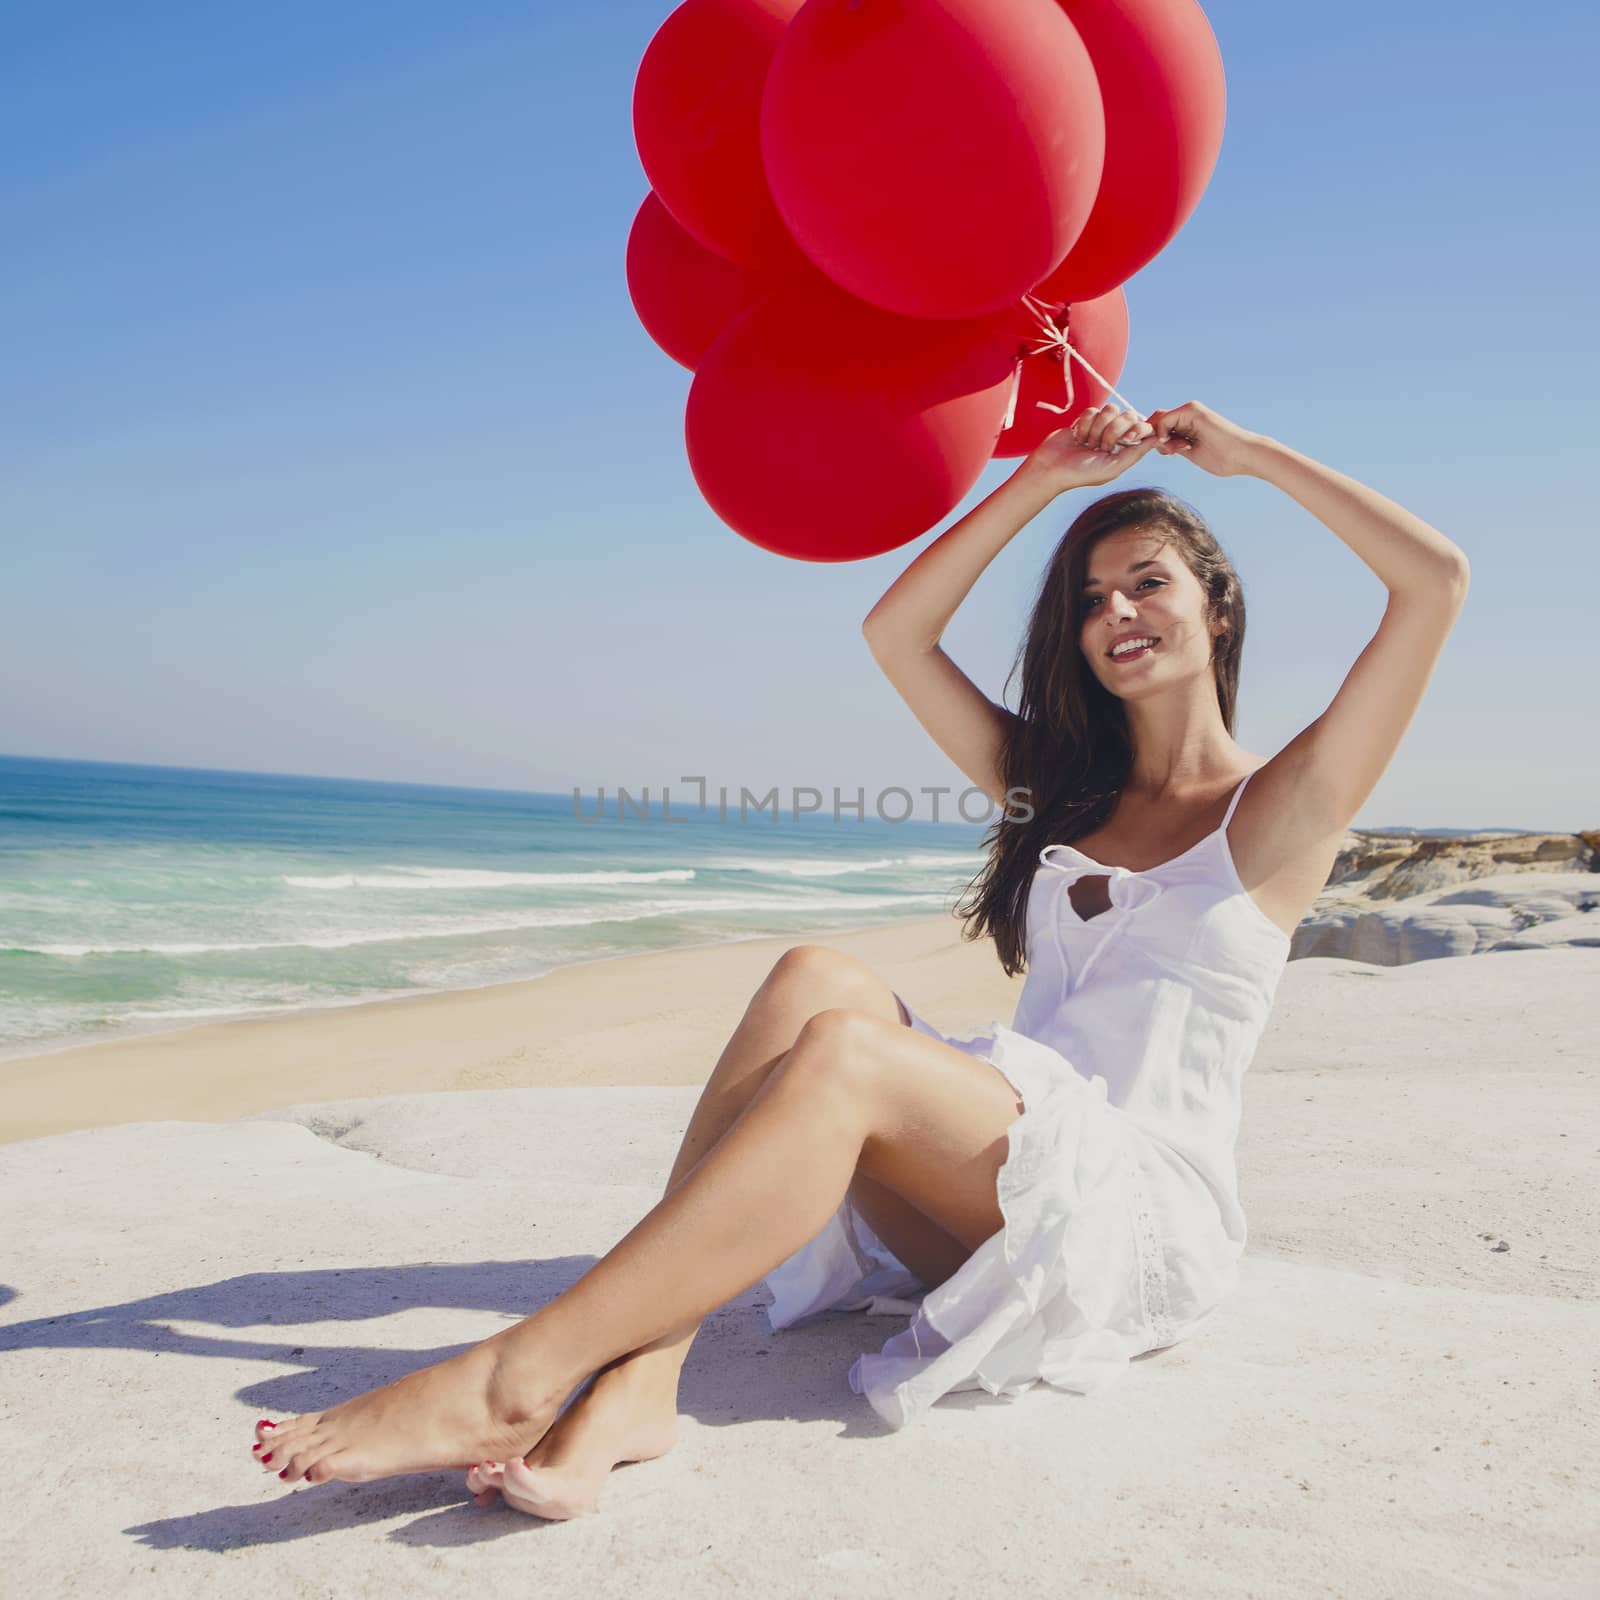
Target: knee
(814, 973)
(837, 1046)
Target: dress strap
(1227, 816)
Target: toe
(483, 1482)
(280, 1447)
(286, 1435)
(293, 1466)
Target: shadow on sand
(739, 1371)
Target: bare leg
(925, 1120)
(629, 1412)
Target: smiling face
(1139, 587)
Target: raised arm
(1324, 775)
(1345, 751)
(904, 628)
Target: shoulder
(1283, 845)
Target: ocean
(135, 899)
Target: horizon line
(547, 794)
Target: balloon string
(1011, 403)
(1054, 338)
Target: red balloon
(696, 122)
(821, 428)
(1161, 77)
(1098, 330)
(934, 157)
(685, 294)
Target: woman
(1059, 1192)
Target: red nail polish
(284, 1473)
(263, 1423)
(267, 1456)
(255, 1447)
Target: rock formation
(1393, 898)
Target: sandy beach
(660, 1018)
(257, 1218)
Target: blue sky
(329, 442)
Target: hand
(1200, 435)
(1099, 446)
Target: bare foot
(446, 1416)
(610, 1422)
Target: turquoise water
(139, 898)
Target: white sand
(1389, 1405)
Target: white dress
(1122, 1228)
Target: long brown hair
(1068, 751)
